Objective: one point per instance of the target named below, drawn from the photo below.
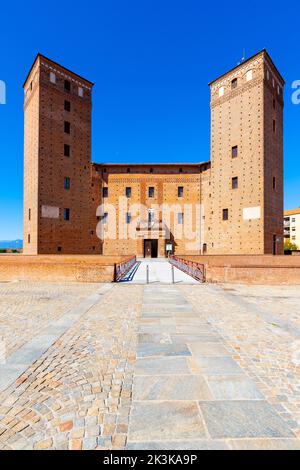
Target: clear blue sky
(151, 61)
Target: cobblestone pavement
(27, 308)
(151, 367)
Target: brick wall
(246, 113)
(165, 180)
(45, 140)
(249, 269)
(58, 268)
(242, 116)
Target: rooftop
(58, 65)
(264, 52)
(292, 211)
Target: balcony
(149, 225)
(151, 229)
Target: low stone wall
(57, 268)
(250, 269)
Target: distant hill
(11, 244)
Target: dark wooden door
(153, 248)
(147, 248)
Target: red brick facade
(74, 206)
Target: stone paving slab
(206, 348)
(168, 301)
(243, 419)
(191, 444)
(189, 339)
(163, 365)
(160, 309)
(159, 338)
(233, 388)
(265, 444)
(192, 329)
(165, 421)
(178, 387)
(215, 365)
(149, 349)
(157, 328)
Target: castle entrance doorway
(150, 248)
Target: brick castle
(232, 204)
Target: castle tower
(246, 191)
(57, 155)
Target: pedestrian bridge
(158, 270)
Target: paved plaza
(156, 366)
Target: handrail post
(173, 275)
(147, 274)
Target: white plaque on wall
(251, 213)
(50, 212)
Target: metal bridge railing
(122, 268)
(192, 268)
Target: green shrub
(289, 246)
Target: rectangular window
(180, 218)
(274, 125)
(293, 219)
(274, 182)
(151, 215)
(80, 91)
(180, 191)
(150, 191)
(234, 83)
(128, 218)
(67, 106)
(66, 214)
(105, 191)
(234, 182)
(67, 150)
(59, 248)
(274, 104)
(105, 217)
(29, 214)
(67, 182)
(67, 127)
(28, 238)
(225, 214)
(67, 85)
(234, 151)
(128, 192)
